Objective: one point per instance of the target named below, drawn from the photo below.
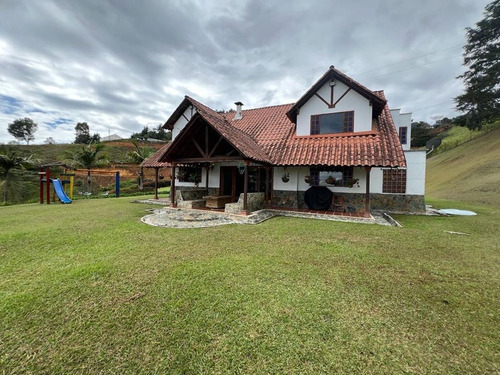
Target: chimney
(238, 115)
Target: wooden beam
(341, 97)
(215, 159)
(323, 100)
(206, 139)
(199, 148)
(367, 193)
(215, 147)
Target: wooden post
(266, 200)
(156, 182)
(206, 182)
(172, 187)
(41, 174)
(245, 189)
(367, 194)
(47, 178)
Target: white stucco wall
(297, 183)
(402, 119)
(351, 102)
(415, 174)
(181, 122)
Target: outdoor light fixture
(242, 168)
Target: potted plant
(330, 180)
(353, 181)
(286, 177)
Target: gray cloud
(122, 65)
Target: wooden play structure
(66, 181)
(63, 185)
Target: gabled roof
(248, 147)
(331, 74)
(154, 160)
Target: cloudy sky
(121, 65)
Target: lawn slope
(469, 172)
(87, 288)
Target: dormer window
(331, 123)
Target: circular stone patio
(182, 218)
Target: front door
(232, 182)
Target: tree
(421, 132)
(138, 156)
(23, 129)
(87, 157)
(481, 100)
(82, 133)
(157, 133)
(9, 160)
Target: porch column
(172, 187)
(367, 194)
(206, 182)
(266, 200)
(156, 182)
(245, 189)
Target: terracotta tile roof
(241, 140)
(268, 134)
(274, 131)
(154, 160)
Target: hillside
(469, 172)
(116, 150)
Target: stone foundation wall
(356, 202)
(255, 202)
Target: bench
(190, 198)
(217, 201)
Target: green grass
(469, 172)
(88, 288)
(458, 135)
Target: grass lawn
(88, 288)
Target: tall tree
(82, 133)
(9, 160)
(23, 129)
(137, 156)
(87, 157)
(481, 100)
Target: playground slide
(60, 191)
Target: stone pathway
(192, 218)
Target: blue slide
(60, 191)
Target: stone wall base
(355, 202)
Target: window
(394, 181)
(331, 123)
(403, 132)
(189, 174)
(335, 176)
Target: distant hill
(469, 172)
(116, 150)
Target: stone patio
(202, 218)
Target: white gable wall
(351, 102)
(182, 121)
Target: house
(338, 143)
(112, 137)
